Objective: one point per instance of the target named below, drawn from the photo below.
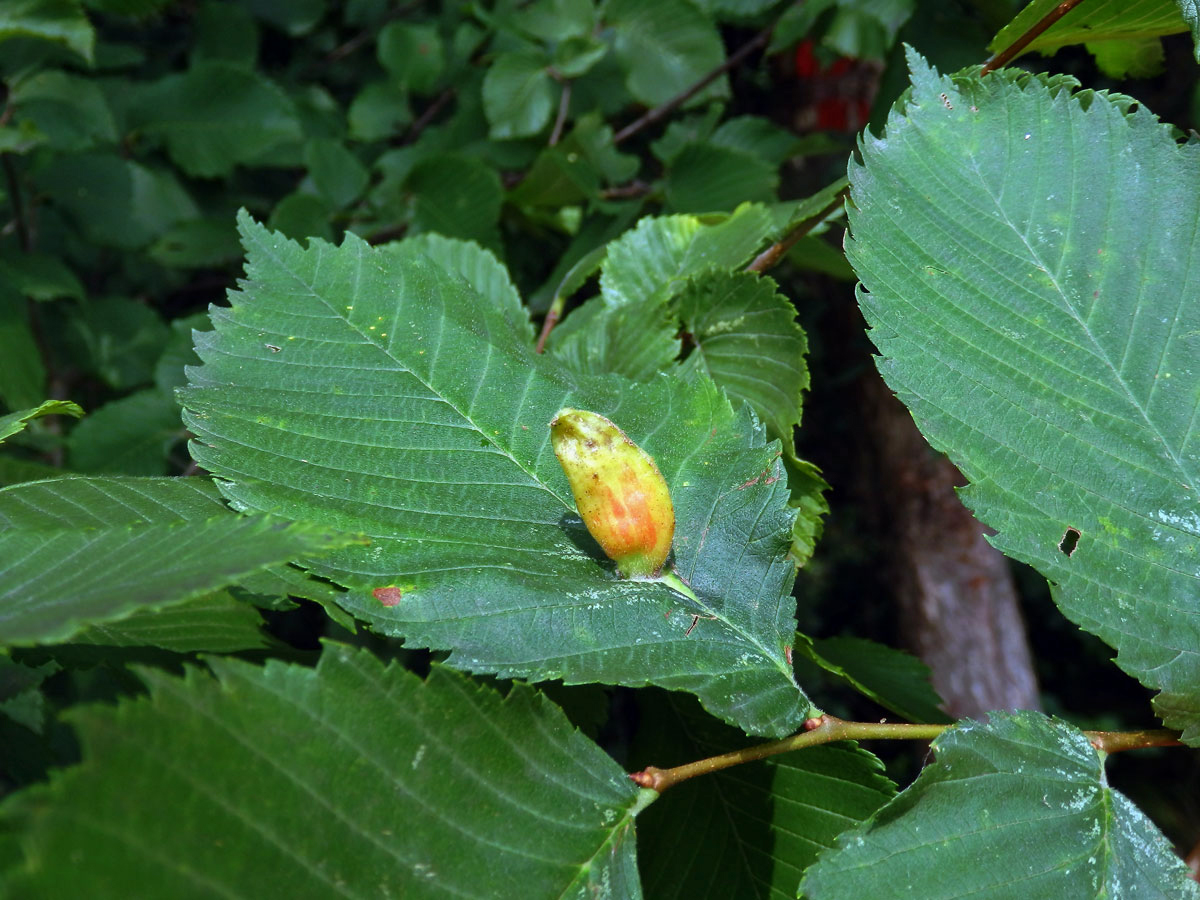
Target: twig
(635, 188)
(430, 113)
(1008, 53)
(1116, 741)
(826, 729)
(564, 103)
(769, 257)
(684, 96)
(551, 320)
(14, 193)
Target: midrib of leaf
(1098, 350)
(369, 339)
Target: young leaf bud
(622, 497)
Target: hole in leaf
(1070, 540)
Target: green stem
(826, 729)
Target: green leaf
(135, 9)
(866, 29)
(1051, 355)
(225, 32)
(758, 137)
(23, 378)
(336, 172)
(752, 830)
(20, 696)
(747, 340)
(197, 243)
(300, 215)
(425, 789)
(378, 111)
(518, 95)
(294, 17)
(15, 422)
(892, 678)
(629, 329)
(127, 436)
(1091, 23)
(576, 56)
(1141, 58)
(654, 260)
(480, 269)
(115, 202)
(213, 623)
(413, 54)
(40, 276)
(405, 407)
(70, 110)
(706, 177)
(218, 115)
(664, 47)
(117, 339)
(123, 545)
(557, 20)
(1019, 807)
(60, 21)
(457, 196)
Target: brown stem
(564, 103)
(684, 96)
(819, 730)
(14, 193)
(771, 256)
(825, 729)
(551, 320)
(1116, 741)
(1005, 56)
(430, 113)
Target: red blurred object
(838, 99)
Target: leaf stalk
(825, 729)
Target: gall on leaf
(622, 497)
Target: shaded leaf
(518, 95)
(336, 172)
(1019, 807)
(376, 750)
(70, 110)
(413, 54)
(23, 378)
(457, 196)
(127, 436)
(218, 115)
(115, 202)
(707, 177)
(664, 47)
(59, 21)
